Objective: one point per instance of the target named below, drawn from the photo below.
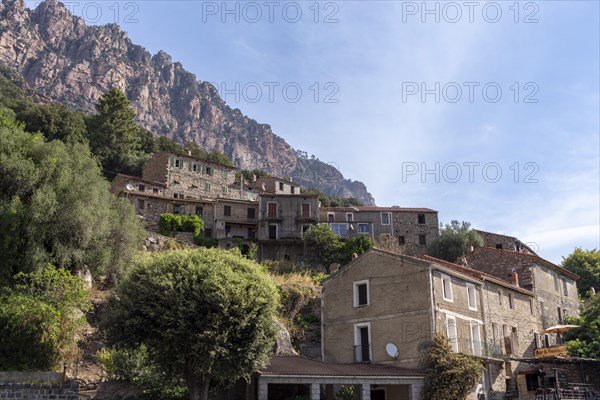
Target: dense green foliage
(448, 375)
(137, 367)
(55, 207)
(328, 248)
(453, 240)
(586, 264)
(583, 342)
(205, 315)
(332, 201)
(169, 224)
(39, 317)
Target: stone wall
(43, 391)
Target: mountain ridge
(64, 60)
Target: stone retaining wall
(20, 391)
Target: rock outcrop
(64, 60)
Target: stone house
(405, 230)
(275, 185)
(503, 242)
(235, 220)
(365, 313)
(282, 221)
(555, 288)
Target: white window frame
(472, 303)
(207, 185)
(447, 278)
(330, 214)
(363, 224)
(338, 225)
(453, 339)
(475, 341)
(389, 214)
(357, 336)
(349, 217)
(178, 162)
(355, 286)
(224, 190)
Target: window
(385, 218)
(199, 211)
(207, 186)
(208, 233)
(272, 210)
(471, 297)
(401, 240)
(511, 301)
(227, 211)
(155, 191)
(178, 195)
(362, 342)
(224, 190)
(422, 240)
(251, 233)
(210, 171)
(499, 246)
(196, 167)
(330, 217)
(475, 338)
(141, 188)
(532, 307)
(178, 209)
(421, 218)
(500, 297)
(361, 293)
(140, 205)
(565, 287)
(293, 189)
(281, 186)
(451, 333)
(363, 228)
(560, 315)
(305, 210)
(227, 230)
(272, 231)
(447, 288)
(349, 217)
(178, 163)
(251, 213)
(305, 229)
(225, 173)
(340, 229)
(556, 283)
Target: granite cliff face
(64, 60)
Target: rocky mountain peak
(65, 60)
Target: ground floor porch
(293, 378)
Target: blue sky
(391, 89)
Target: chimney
(470, 247)
(514, 277)
(189, 153)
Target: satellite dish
(391, 350)
(129, 187)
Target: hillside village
(502, 303)
(108, 200)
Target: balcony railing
(362, 354)
(478, 348)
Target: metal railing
(362, 354)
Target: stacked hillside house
(271, 212)
(403, 230)
(382, 306)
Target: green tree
(39, 317)
(54, 121)
(453, 241)
(356, 245)
(586, 264)
(55, 207)
(326, 247)
(113, 133)
(448, 375)
(583, 342)
(206, 315)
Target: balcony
(362, 354)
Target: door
(365, 352)
(378, 394)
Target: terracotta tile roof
(299, 366)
